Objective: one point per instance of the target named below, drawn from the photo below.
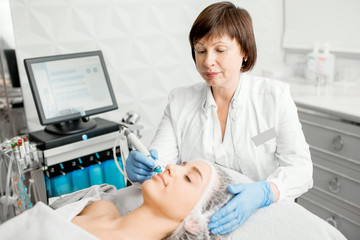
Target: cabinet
(335, 151)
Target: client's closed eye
(192, 169)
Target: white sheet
(41, 223)
(283, 220)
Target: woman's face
(219, 60)
(175, 191)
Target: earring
(245, 60)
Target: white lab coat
(190, 129)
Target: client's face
(175, 191)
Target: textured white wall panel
(6, 28)
(145, 45)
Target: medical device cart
(76, 161)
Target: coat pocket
(266, 151)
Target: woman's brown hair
(225, 18)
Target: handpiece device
(136, 143)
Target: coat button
(234, 117)
(234, 104)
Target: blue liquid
(48, 186)
(95, 174)
(112, 174)
(61, 185)
(80, 179)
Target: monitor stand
(46, 140)
(71, 127)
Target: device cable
(117, 142)
(32, 185)
(7, 187)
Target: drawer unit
(334, 181)
(348, 227)
(335, 162)
(335, 151)
(333, 136)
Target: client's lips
(161, 176)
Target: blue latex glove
(248, 197)
(139, 167)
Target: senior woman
(249, 124)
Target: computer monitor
(69, 88)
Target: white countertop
(340, 100)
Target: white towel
(42, 223)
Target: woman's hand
(139, 167)
(248, 197)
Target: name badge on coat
(264, 136)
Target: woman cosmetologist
(249, 124)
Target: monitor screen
(71, 86)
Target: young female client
(177, 205)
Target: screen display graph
(70, 86)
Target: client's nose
(170, 169)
